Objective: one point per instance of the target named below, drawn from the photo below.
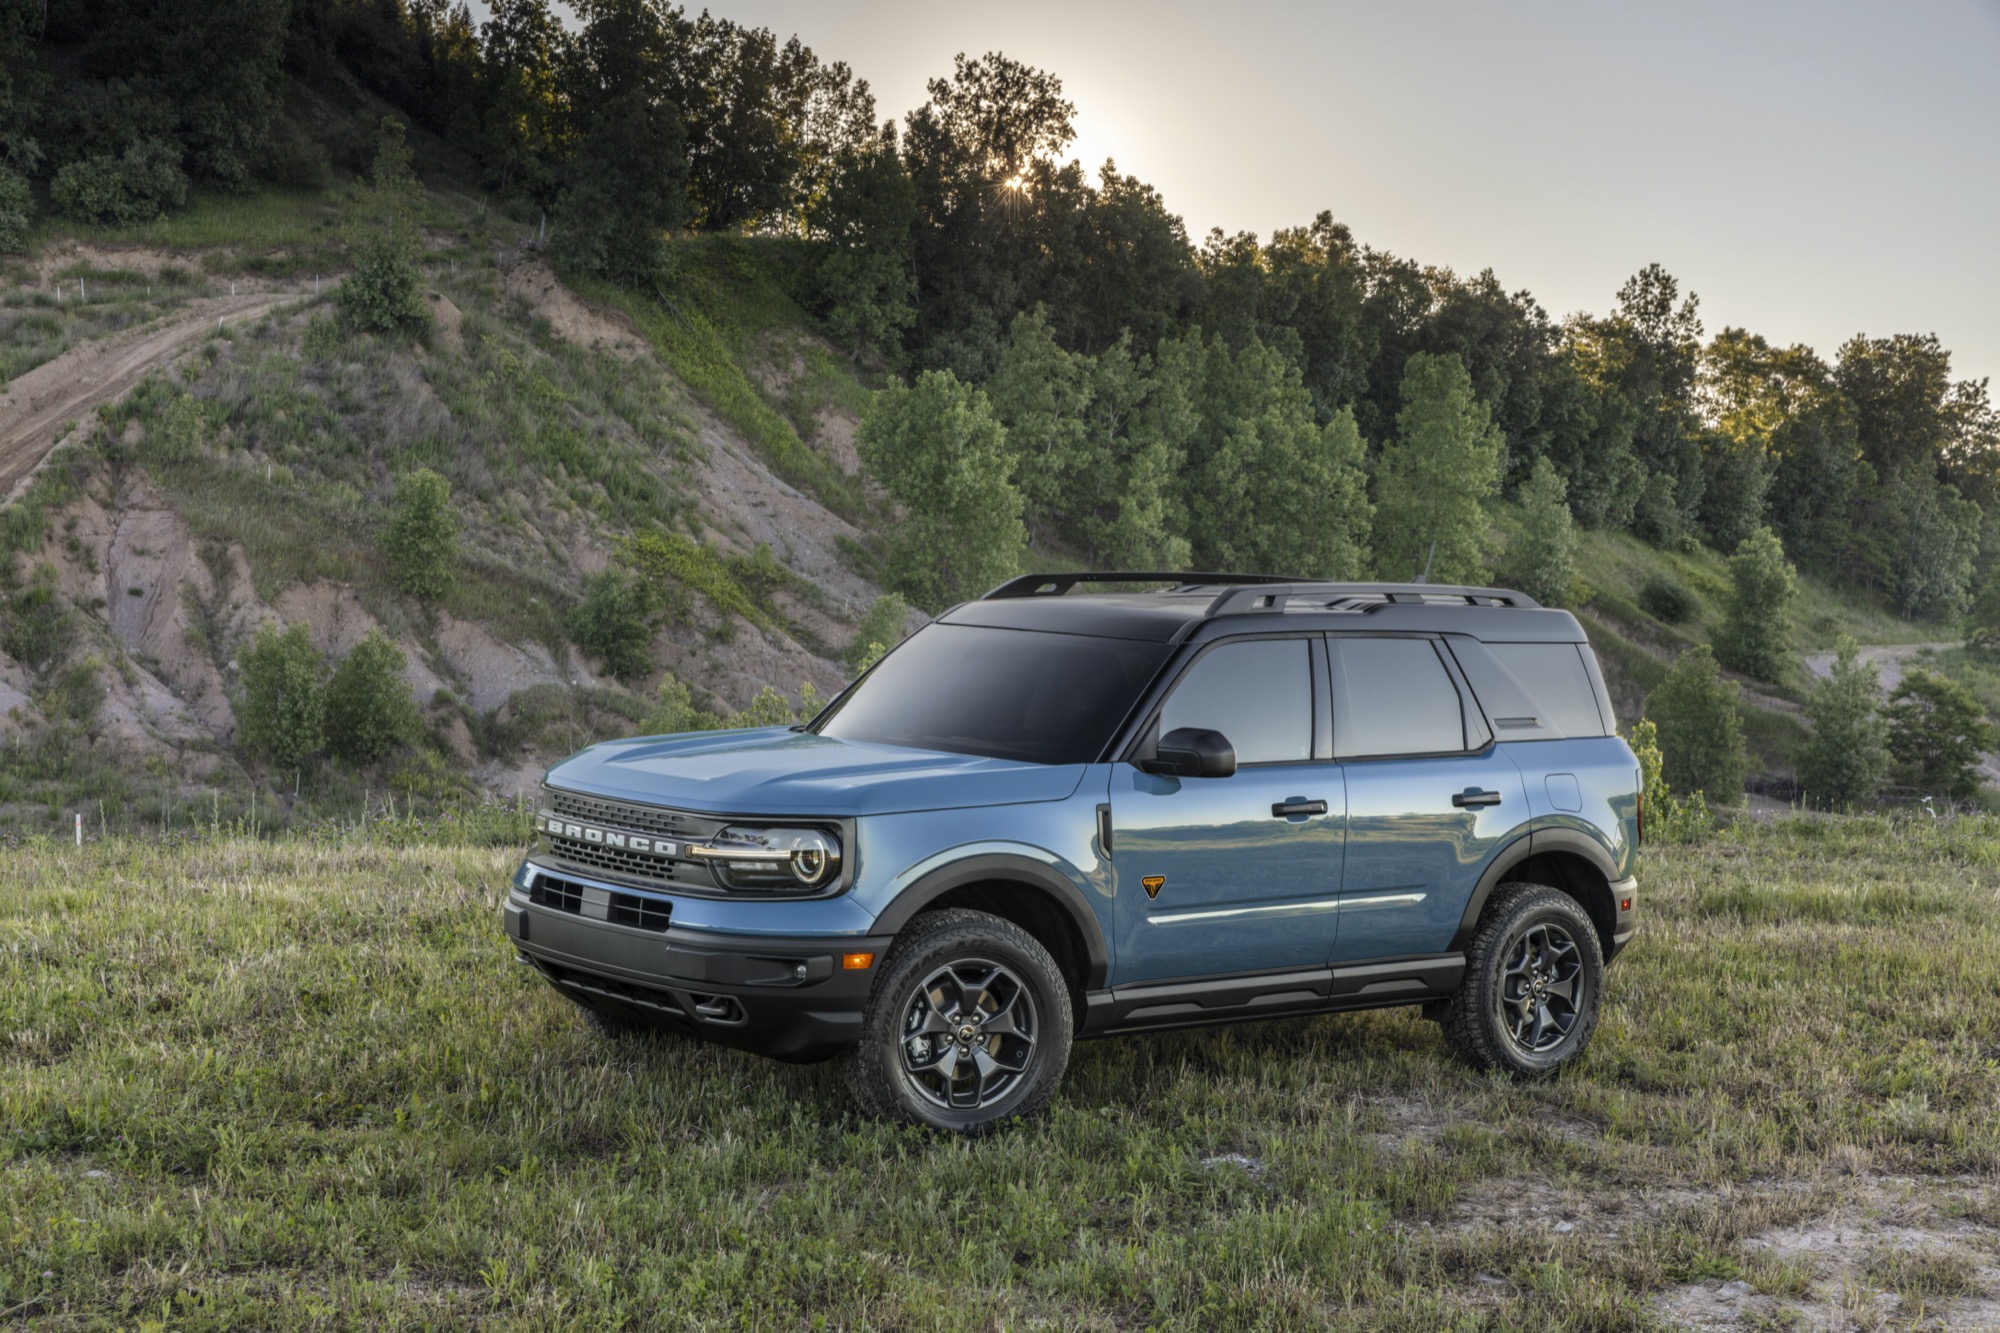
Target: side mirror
(1193, 752)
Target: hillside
(565, 422)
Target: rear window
(1532, 691)
(1001, 693)
(1393, 696)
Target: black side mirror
(1193, 752)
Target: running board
(1201, 1001)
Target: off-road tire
(878, 1071)
(1480, 1024)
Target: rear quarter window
(1532, 691)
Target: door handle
(1474, 796)
(1289, 809)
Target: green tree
(1042, 395)
(1701, 737)
(281, 715)
(943, 457)
(17, 213)
(1847, 757)
(614, 623)
(674, 710)
(1756, 631)
(880, 630)
(382, 294)
(142, 184)
(1668, 818)
(422, 543)
(1431, 480)
(1543, 562)
(864, 284)
(1937, 731)
(369, 711)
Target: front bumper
(787, 997)
(1625, 914)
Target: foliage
(136, 186)
(422, 540)
(1847, 758)
(17, 211)
(383, 292)
(1664, 599)
(1431, 480)
(943, 457)
(672, 565)
(1937, 732)
(368, 708)
(614, 623)
(1669, 818)
(36, 627)
(1543, 562)
(880, 630)
(1756, 633)
(183, 428)
(281, 711)
(675, 711)
(1700, 734)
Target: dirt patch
(490, 672)
(1890, 660)
(445, 321)
(534, 282)
(64, 256)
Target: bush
(879, 631)
(138, 187)
(383, 293)
(1756, 633)
(1667, 817)
(183, 427)
(282, 713)
(422, 542)
(369, 711)
(1700, 736)
(1845, 759)
(17, 213)
(36, 629)
(1937, 731)
(614, 623)
(1663, 599)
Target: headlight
(771, 858)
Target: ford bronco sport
(1054, 814)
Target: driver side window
(1258, 693)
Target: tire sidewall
(1492, 1016)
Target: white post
(82, 292)
(79, 828)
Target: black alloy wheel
(1533, 986)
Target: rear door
(1430, 798)
(1222, 876)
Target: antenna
(1425, 577)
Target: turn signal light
(1624, 904)
(857, 962)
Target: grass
(300, 1084)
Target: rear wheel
(969, 1023)
(1534, 982)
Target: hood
(778, 771)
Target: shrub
(1668, 818)
(614, 623)
(1700, 736)
(37, 629)
(1664, 599)
(1845, 759)
(1937, 731)
(282, 714)
(383, 293)
(422, 542)
(1756, 633)
(879, 631)
(138, 187)
(183, 427)
(675, 711)
(17, 213)
(369, 711)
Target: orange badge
(1153, 884)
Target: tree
(1937, 732)
(1701, 738)
(1543, 562)
(383, 292)
(422, 541)
(17, 212)
(1431, 480)
(864, 283)
(369, 712)
(1756, 632)
(614, 623)
(1846, 758)
(879, 630)
(139, 186)
(281, 715)
(938, 449)
(1042, 395)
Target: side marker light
(857, 962)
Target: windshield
(1001, 693)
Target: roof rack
(1055, 585)
(1356, 596)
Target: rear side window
(1393, 696)
(1258, 693)
(1532, 691)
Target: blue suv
(1082, 806)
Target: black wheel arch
(1562, 859)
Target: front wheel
(1534, 981)
(969, 1023)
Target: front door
(1218, 876)
(1430, 799)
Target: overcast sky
(1812, 168)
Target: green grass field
(301, 1084)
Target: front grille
(620, 909)
(618, 860)
(637, 818)
(559, 894)
(630, 909)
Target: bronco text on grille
(606, 836)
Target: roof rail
(1055, 585)
(1273, 598)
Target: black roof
(1186, 606)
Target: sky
(1812, 168)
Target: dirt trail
(1889, 659)
(34, 407)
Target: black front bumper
(787, 998)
